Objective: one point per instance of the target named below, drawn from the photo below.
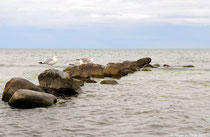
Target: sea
(165, 102)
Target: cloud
(71, 13)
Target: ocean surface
(166, 102)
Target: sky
(95, 24)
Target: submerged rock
(18, 83)
(166, 65)
(156, 65)
(110, 82)
(60, 82)
(188, 66)
(24, 98)
(146, 69)
(148, 66)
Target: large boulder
(143, 61)
(115, 70)
(18, 83)
(24, 98)
(131, 66)
(85, 71)
(60, 82)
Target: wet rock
(130, 65)
(110, 82)
(24, 98)
(143, 61)
(88, 80)
(85, 71)
(116, 70)
(78, 82)
(49, 90)
(188, 66)
(166, 65)
(146, 69)
(148, 66)
(18, 83)
(60, 82)
(156, 65)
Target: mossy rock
(146, 69)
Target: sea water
(165, 102)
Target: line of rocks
(53, 84)
(84, 72)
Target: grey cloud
(68, 13)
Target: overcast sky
(105, 23)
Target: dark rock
(88, 80)
(60, 82)
(49, 90)
(143, 61)
(18, 83)
(110, 82)
(166, 65)
(148, 66)
(24, 98)
(188, 66)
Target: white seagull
(77, 63)
(85, 60)
(50, 62)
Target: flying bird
(50, 62)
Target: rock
(143, 61)
(188, 66)
(146, 69)
(130, 65)
(94, 70)
(49, 90)
(156, 65)
(148, 66)
(24, 98)
(110, 82)
(60, 82)
(78, 82)
(166, 65)
(18, 83)
(85, 71)
(88, 80)
(116, 70)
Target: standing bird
(90, 61)
(50, 62)
(85, 60)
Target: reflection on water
(164, 102)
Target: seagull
(85, 60)
(90, 61)
(50, 62)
